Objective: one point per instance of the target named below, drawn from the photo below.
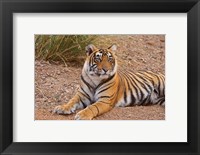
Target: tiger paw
(63, 109)
(84, 115)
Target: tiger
(104, 87)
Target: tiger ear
(113, 47)
(89, 49)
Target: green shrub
(62, 48)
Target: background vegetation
(62, 48)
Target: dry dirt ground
(55, 84)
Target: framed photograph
(99, 77)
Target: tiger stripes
(103, 87)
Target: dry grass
(62, 48)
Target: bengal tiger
(103, 86)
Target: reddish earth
(55, 83)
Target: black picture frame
(8, 7)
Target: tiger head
(100, 62)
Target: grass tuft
(62, 48)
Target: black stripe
(118, 86)
(150, 88)
(138, 88)
(106, 88)
(88, 85)
(149, 77)
(104, 102)
(146, 100)
(155, 75)
(92, 58)
(161, 100)
(133, 84)
(105, 81)
(158, 85)
(125, 96)
(97, 109)
(129, 88)
(93, 66)
(84, 106)
(106, 96)
(163, 83)
(142, 95)
(132, 99)
(132, 96)
(86, 94)
(142, 85)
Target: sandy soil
(55, 83)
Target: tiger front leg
(70, 107)
(93, 110)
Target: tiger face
(100, 62)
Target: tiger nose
(105, 70)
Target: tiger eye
(110, 59)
